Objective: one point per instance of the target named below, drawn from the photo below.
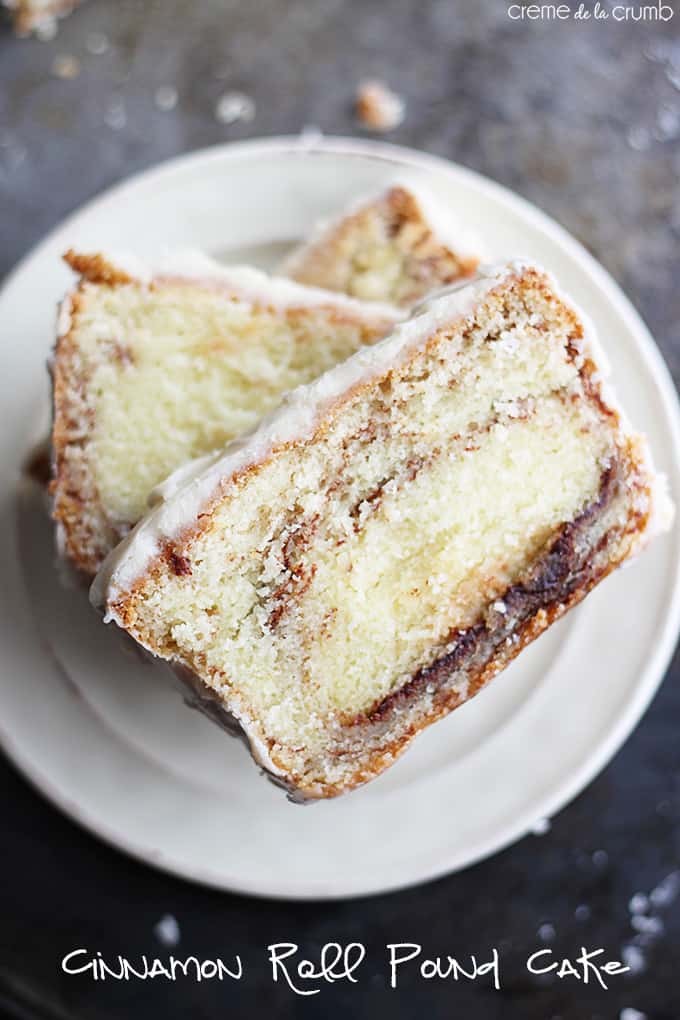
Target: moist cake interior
(190, 372)
(338, 570)
(151, 376)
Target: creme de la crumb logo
(655, 12)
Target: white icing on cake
(64, 316)
(244, 282)
(443, 222)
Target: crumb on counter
(234, 106)
(65, 67)
(378, 107)
(166, 97)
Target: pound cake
(388, 248)
(155, 367)
(389, 539)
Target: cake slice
(155, 367)
(38, 15)
(390, 539)
(389, 248)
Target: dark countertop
(581, 117)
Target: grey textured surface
(582, 118)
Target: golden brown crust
(97, 269)
(86, 533)
(84, 530)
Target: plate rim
(655, 669)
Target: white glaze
(64, 316)
(443, 222)
(244, 282)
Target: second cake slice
(156, 365)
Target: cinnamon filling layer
(569, 564)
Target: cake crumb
(378, 107)
(65, 67)
(46, 30)
(167, 931)
(639, 138)
(96, 43)
(166, 97)
(234, 106)
(667, 123)
(115, 116)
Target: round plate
(105, 736)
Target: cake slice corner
(397, 246)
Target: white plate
(106, 737)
